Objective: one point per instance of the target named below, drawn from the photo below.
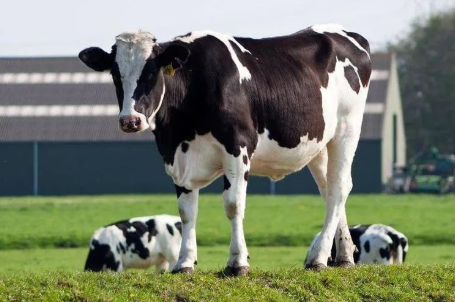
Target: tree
(426, 66)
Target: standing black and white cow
(225, 106)
(375, 244)
(136, 243)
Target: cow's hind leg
(188, 203)
(343, 242)
(235, 182)
(341, 152)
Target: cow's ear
(173, 58)
(96, 58)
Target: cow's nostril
(138, 121)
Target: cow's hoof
(317, 267)
(236, 271)
(184, 270)
(344, 264)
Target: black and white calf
(136, 243)
(231, 107)
(376, 244)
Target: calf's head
(136, 63)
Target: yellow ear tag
(169, 70)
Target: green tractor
(432, 172)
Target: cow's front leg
(187, 202)
(236, 171)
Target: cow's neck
(172, 120)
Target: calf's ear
(96, 58)
(173, 58)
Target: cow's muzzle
(130, 123)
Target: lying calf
(376, 244)
(136, 243)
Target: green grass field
(209, 257)
(270, 221)
(44, 242)
(367, 283)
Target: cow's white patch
(337, 29)
(133, 50)
(153, 116)
(276, 162)
(200, 165)
(225, 39)
(236, 169)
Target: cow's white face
(136, 63)
(133, 52)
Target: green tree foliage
(426, 65)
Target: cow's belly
(276, 162)
(199, 165)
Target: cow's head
(136, 63)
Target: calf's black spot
(122, 248)
(385, 253)
(245, 159)
(170, 229)
(178, 226)
(179, 190)
(185, 147)
(404, 243)
(226, 182)
(151, 228)
(355, 235)
(99, 257)
(246, 175)
(133, 233)
(367, 246)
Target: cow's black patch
(355, 235)
(245, 159)
(347, 50)
(404, 243)
(185, 147)
(178, 226)
(151, 228)
(226, 182)
(122, 248)
(385, 252)
(395, 240)
(179, 190)
(170, 229)
(133, 233)
(352, 78)
(366, 245)
(246, 175)
(100, 257)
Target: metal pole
(272, 187)
(35, 168)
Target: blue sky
(60, 28)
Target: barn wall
(393, 107)
(136, 167)
(16, 169)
